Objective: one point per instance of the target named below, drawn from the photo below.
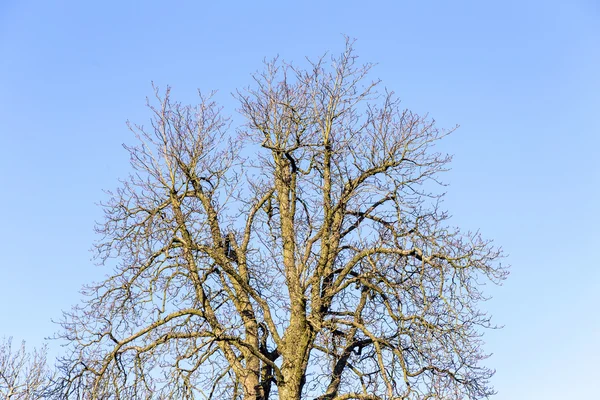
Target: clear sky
(522, 78)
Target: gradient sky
(522, 78)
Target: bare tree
(23, 375)
(307, 257)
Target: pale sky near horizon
(521, 78)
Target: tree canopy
(302, 255)
(24, 375)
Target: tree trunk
(292, 390)
(295, 353)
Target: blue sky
(520, 77)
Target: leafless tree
(23, 375)
(304, 257)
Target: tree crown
(320, 266)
